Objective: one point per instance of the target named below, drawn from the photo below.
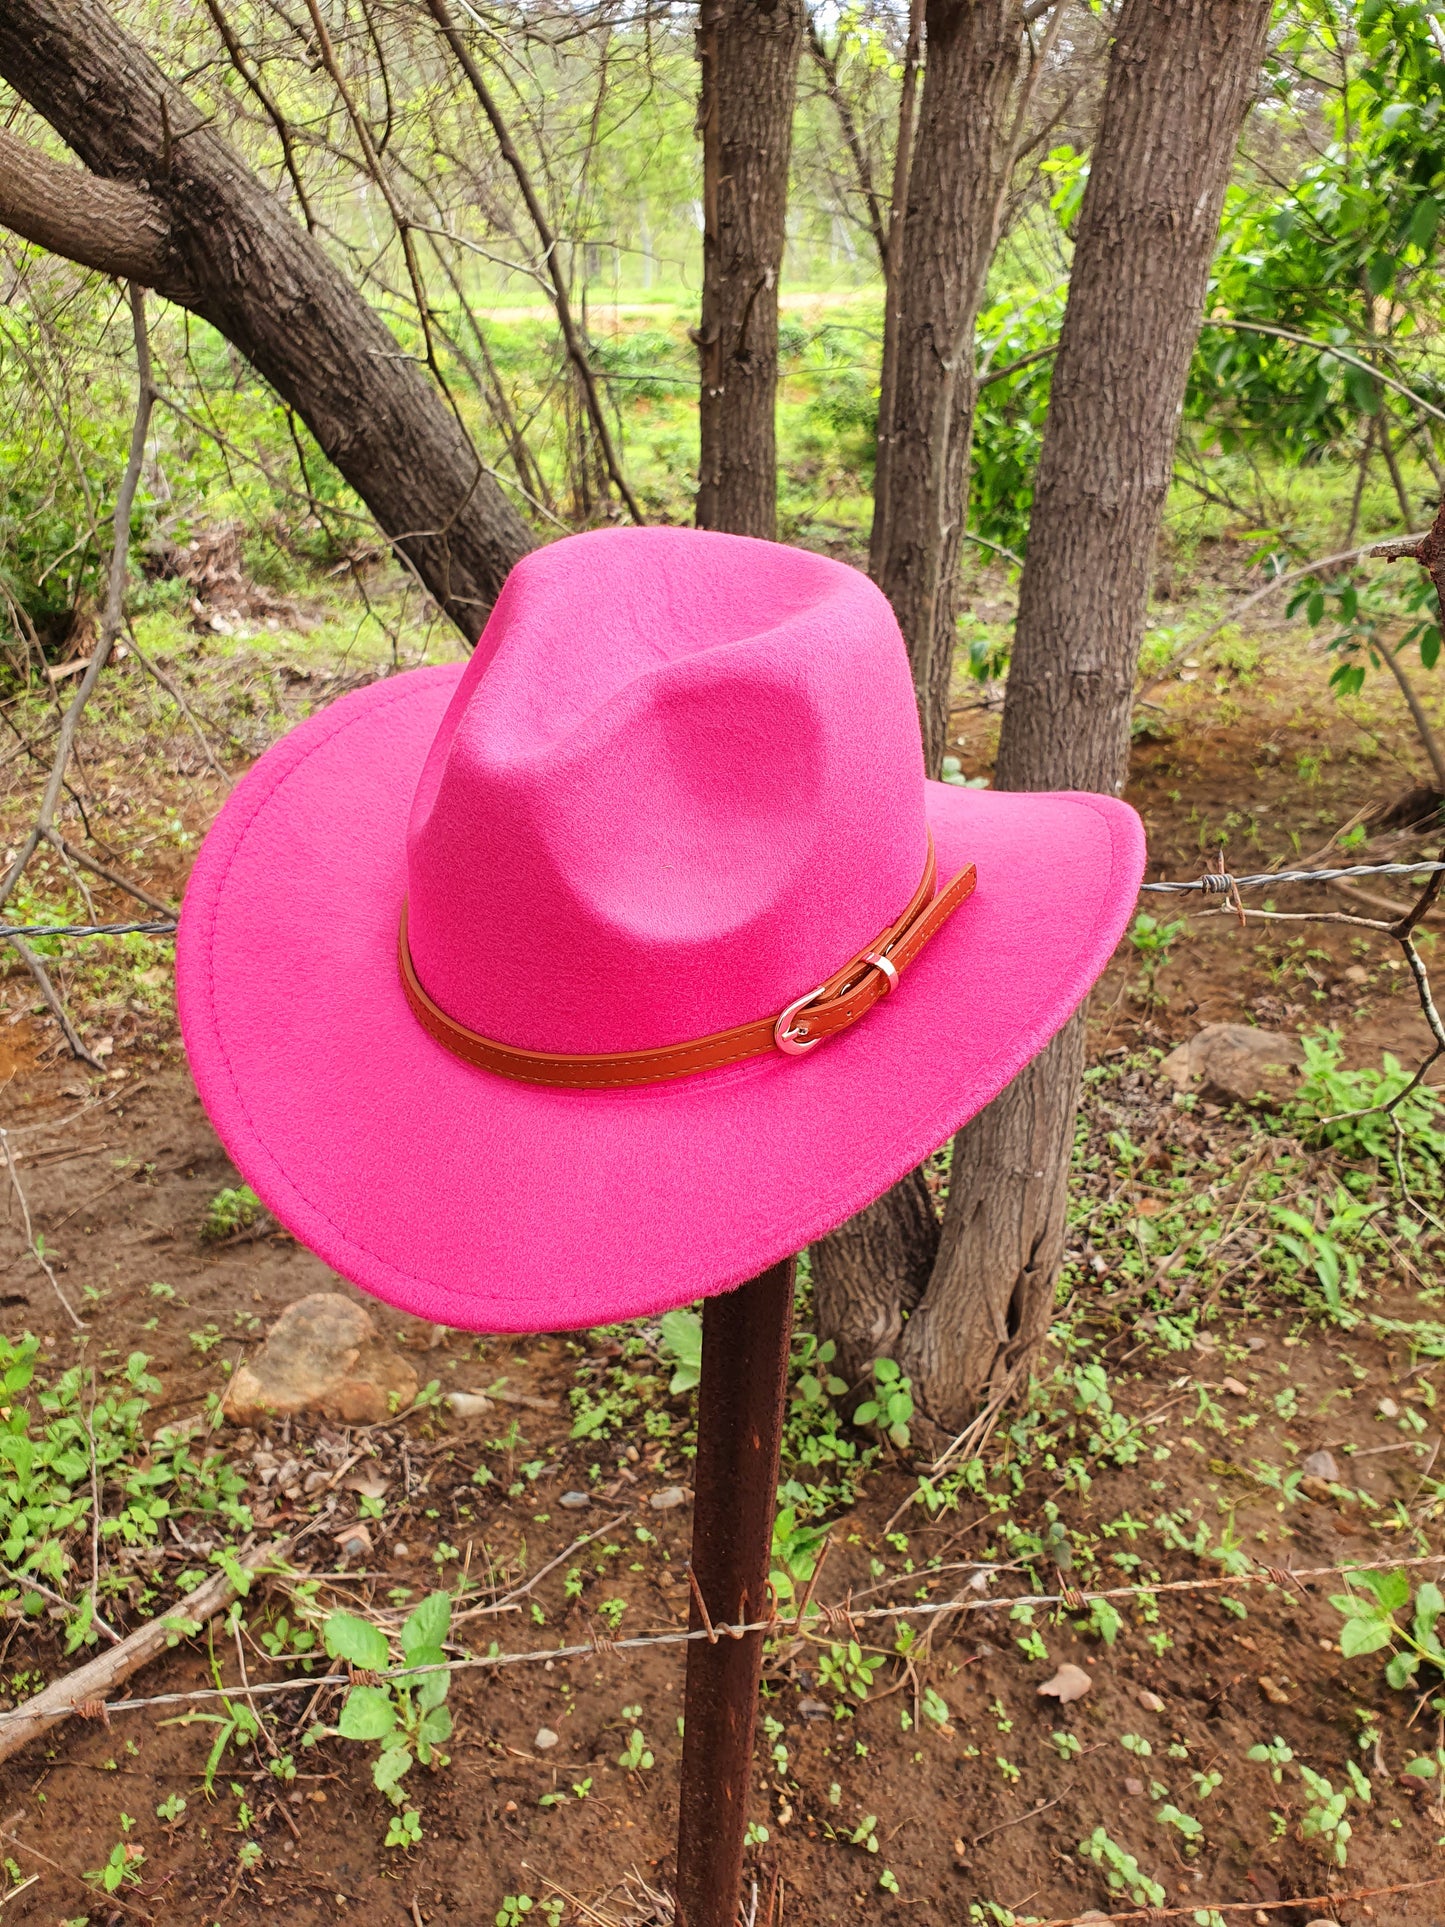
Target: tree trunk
(748, 55)
(870, 1273)
(1182, 74)
(956, 180)
(949, 178)
(218, 242)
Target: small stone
(323, 1355)
(546, 1739)
(669, 1497)
(1151, 1702)
(1387, 1408)
(399, 1551)
(1133, 1786)
(1255, 1343)
(1235, 1063)
(1069, 1683)
(1234, 1388)
(470, 1404)
(812, 1709)
(353, 1540)
(1273, 1691)
(574, 1501)
(1321, 1465)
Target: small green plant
(171, 1808)
(796, 1547)
(1373, 1619)
(849, 1670)
(1346, 1109)
(1185, 1823)
(230, 1211)
(1121, 1869)
(891, 1406)
(407, 1718)
(1325, 1814)
(1325, 1251)
(681, 1340)
(636, 1756)
(1068, 1745)
(1274, 1754)
(123, 1868)
(1152, 939)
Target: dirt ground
(974, 1815)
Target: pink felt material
(677, 785)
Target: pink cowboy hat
(498, 981)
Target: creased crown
(680, 783)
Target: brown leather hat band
(841, 1001)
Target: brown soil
(118, 1171)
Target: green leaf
(1401, 1669)
(347, 1637)
(866, 1412)
(367, 1715)
(1392, 1589)
(1423, 1768)
(431, 1689)
(1429, 1604)
(437, 1726)
(1359, 1636)
(390, 1767)
(428, 1625)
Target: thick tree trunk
(1181, 76)
(748, 56)
(214, 239)
(956, 181)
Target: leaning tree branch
(238, 258)
(109, 225)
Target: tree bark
(1181, 77)
(748, 58)
(1182, 74)
(870, 1273)
(956, 181)
(173, 199)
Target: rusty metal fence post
(741, 1401)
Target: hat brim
(492, 1205)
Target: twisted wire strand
(1214, 883)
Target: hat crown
(679, 784)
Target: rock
(1235, 1063)
(545, 1740)
(1150, 1702)
(400, 1551)
(812, 1709)
(1273, 1691)
(1131, 1785)
(1387, 1408)
(470, 1404)
(1234, 1388)
(1356, 974)
(353, 1540)
(574, 1501)
(322, 1355)
(1069, 1683)
(1321, 1465)
(669, 1497)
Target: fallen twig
(85, 1689)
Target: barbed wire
(1213, 883)
(1218, 883)
(813, 1617)
(156, 927)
